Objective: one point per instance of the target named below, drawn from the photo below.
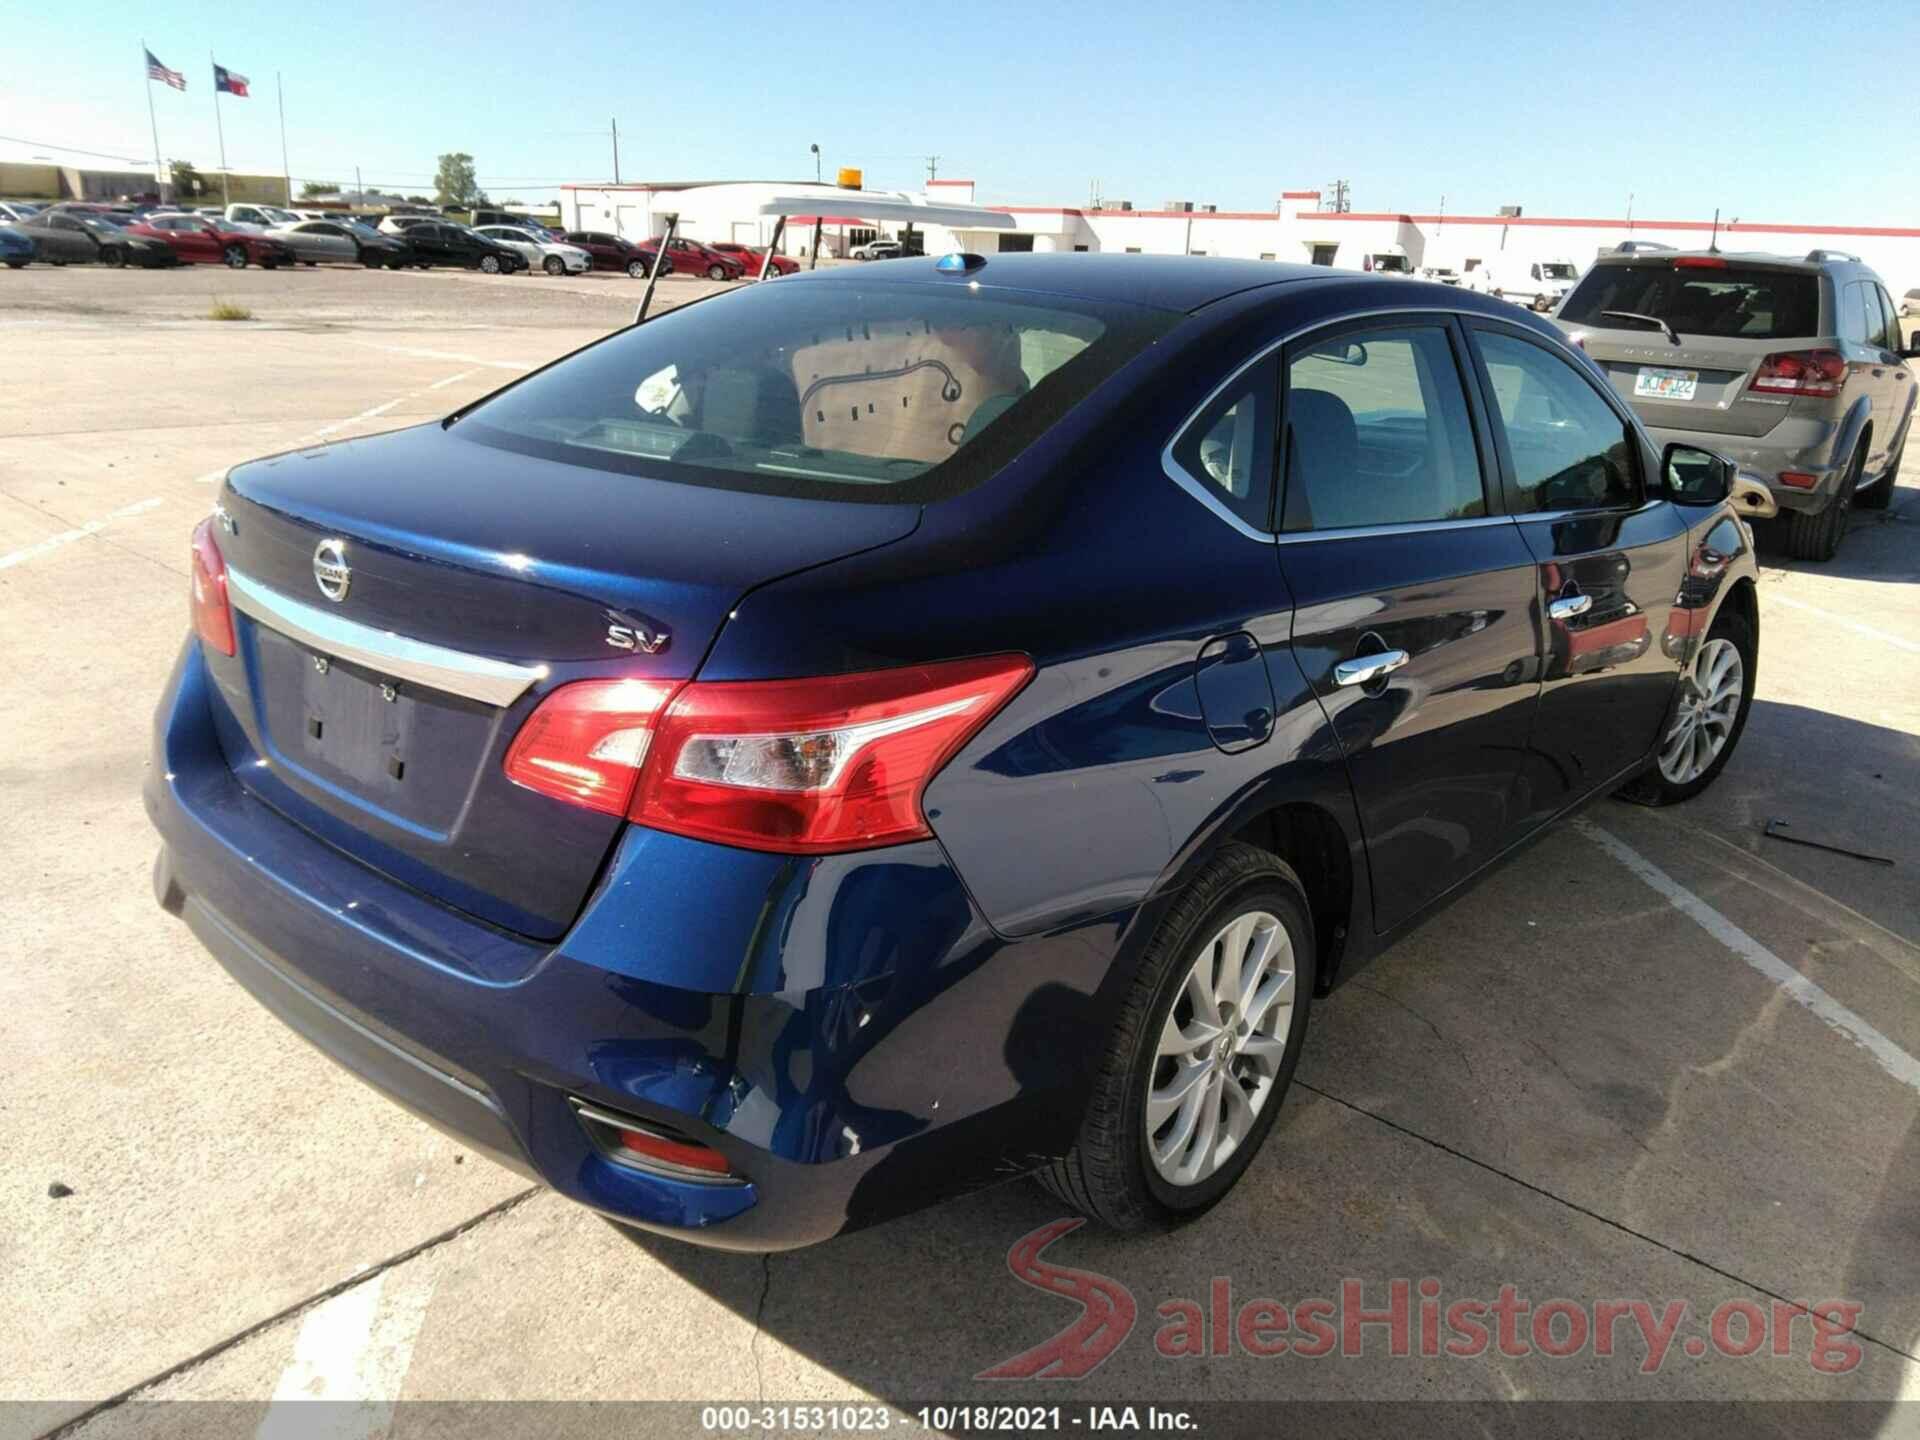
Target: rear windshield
(1735, 303)
(822, 389)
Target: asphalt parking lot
(1603, 1075)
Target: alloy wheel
(1709, 706)
(1220, 1050)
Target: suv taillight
(1801, 372)
(207, 591)
(802, 767)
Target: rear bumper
(843, 1030)
(1804, 445)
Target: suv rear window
(1739, 302)
(824, 389)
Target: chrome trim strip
(1198, 488)
(492, 682)
(1407, 527)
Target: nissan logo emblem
(330, 569)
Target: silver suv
(1793, 368)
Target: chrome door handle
(1568, 606)
(1363, 668)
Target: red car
(690, 257)
(615, 252)
(200, 241)
(752, 259)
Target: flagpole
(220, 130)
(159, 182)
(285, 168)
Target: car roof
(1167, 282)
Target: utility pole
(1340, 192)
(286, 168)
(816, 163)
(933, 167)
(359, 189)
(616, 150)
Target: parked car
(691, 257)
(1440, 274)
(1537, 284)
(751, 259)
(441, 242)
(16, 247)
(1794, 367)
(1909, 303)
(260, 217)
(554, 257)
(400, 224)
(1388, 260)
(616, 252)
(1640, 247)
(63, 237)
(342, 242)
(199, 241)
(13, 211)
(986, 762)
(541, 230)
(876, 250)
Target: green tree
(186, 180)
(318, 187)
(455, 182)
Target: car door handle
(1364, 668)
(1568, 606)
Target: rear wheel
(1203, 1051)
(16, 264)
(1880, 494)
(489, 264)
(554, 265)
(370, 260)
(1816, 534)
(1715, 696)
(235, 257)
(637, 269)
(113, 257)
(716, 272)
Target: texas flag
(225, 79)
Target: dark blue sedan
(843, 743)
(16, 248)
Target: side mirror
(1697, 477)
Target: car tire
(554, 265)
(1669, 781)
(716, 272)
(1112, 1174)
(235, 257)
(16, 264)
(1879, 495)
(1816, 534)
(489, 264)
(113, 257)
(637, 269)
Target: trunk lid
(1730, 313)
(476, 579)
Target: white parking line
(1898, 642)
(448, 355)
(356, 1348)
(214, 477)
(1891, 1058)
(67, 537)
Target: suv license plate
(1654, 384)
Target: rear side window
(890, 393)
(1735, 302)
(1228, 447)
(1568, 448)
(1378, 432)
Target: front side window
(836, 390)
(1569, 449)
(1377, 432)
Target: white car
(876, 250)
(12, 211)
(549, 255)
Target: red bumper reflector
(674, 1152)
(1799, 479)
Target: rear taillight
(1801, 372)
(207, 592)
(797, 766)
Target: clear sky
(1797, 113)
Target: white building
(1295, 230)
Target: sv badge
(626, 633)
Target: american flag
(157, 71)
